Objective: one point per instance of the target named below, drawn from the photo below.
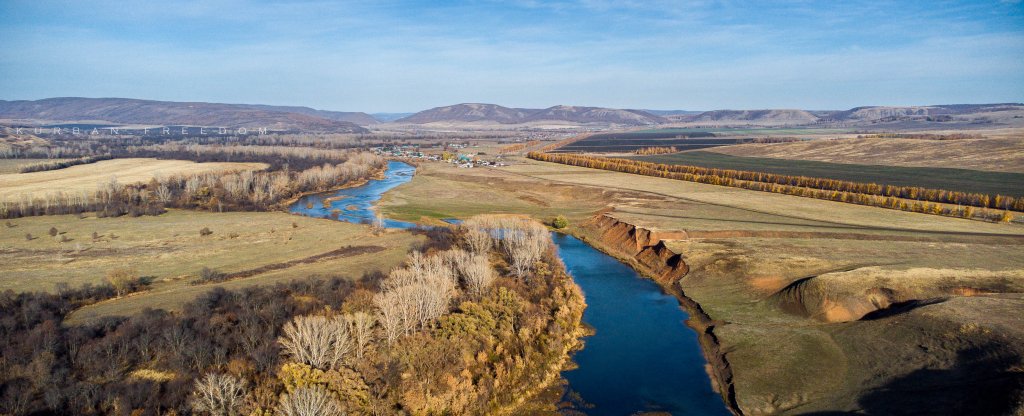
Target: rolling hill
(358, 118)
(859, 116)
(149, 112)
(474, 112)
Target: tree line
(61, 164)
(895, 197)
(656, 150)
(232, 191)
(459, 329)
(515, 147)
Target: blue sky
(385, 56)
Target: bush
(53, 231)
(560, 222)
(207, 274)
(205, 232)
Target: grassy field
(86, 178)
(963, 180)
(441, 191)
(788, 279)
(169, 249)
(1004, 153)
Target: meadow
(170, 250)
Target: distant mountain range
(475, 112)
(162, 113)
(861, 116)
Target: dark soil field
(631, 141)
(941, 178)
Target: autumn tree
(121, 278)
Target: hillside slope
(149, 112)
(475, 112)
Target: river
(642, 357)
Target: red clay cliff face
(645, 246)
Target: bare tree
(317, 340)
(477, 275)
(524, 243)
(473, 269)
(390, 311)
(378, 224)
(163, 194)
(360, 326)
(478, 240)
(218, 395)
(309, 401)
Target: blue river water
(356, 204)
(642, 357)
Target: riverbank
(645, 252)
(783, 279)
(376, 175)
(523, 363)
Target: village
(453, 153)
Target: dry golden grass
(1003, 154)
(169, 249)
(709, 207)
(87, 178)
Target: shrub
(121, 279)
(205, 232)
(28, 236)
(560, 222)
(53, 231)
(207, 274)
